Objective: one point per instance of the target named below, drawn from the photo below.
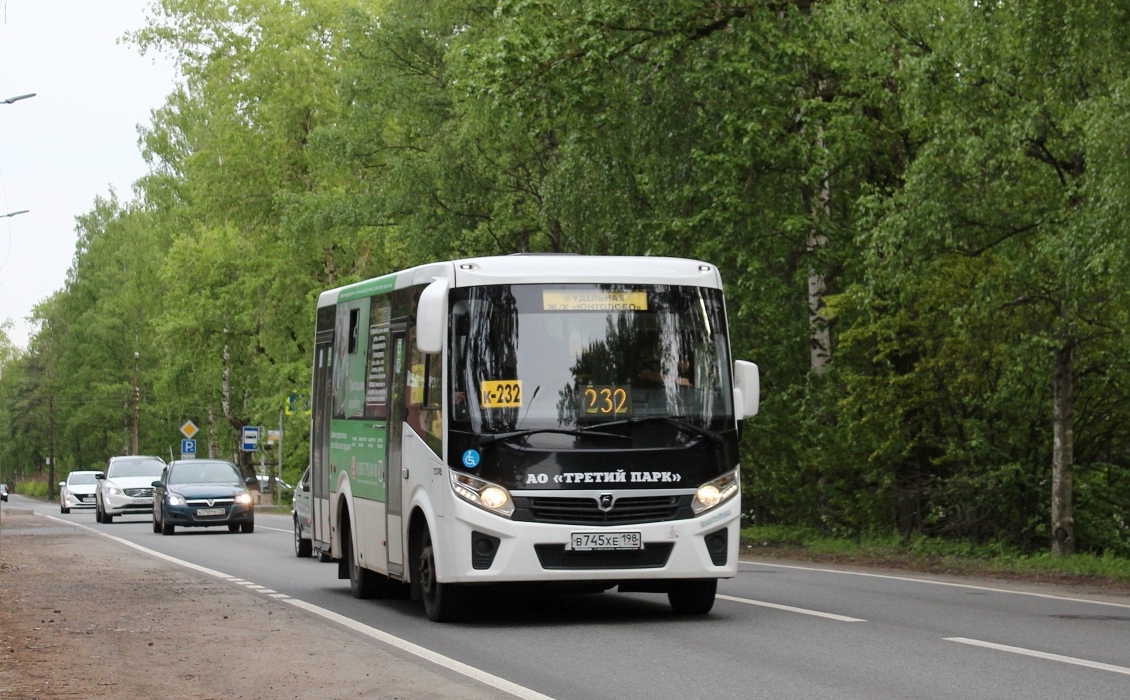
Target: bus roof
(533, 268)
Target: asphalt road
(776, 632)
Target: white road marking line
(789, 608)
(1042, 655)
(967, 586)
(276, 529)
(424, 653)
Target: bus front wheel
(693, 596)
(441, 600)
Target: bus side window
(354, 317)
(425, 404)
(433, 381)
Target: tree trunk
(820, 335)
(1063, 522)
(211, 432)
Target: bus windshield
(575, 356)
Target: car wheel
(441, 600)
(97, 512)
(64, 510)
(168, 528)
(156, 525)
(302, 547)
(248, 527)
(233, 527)
(107, 518)
(693, 597)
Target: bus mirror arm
(747, 389)
(430, 315)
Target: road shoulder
(82, 617)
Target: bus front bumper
(486, 548)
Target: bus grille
(585, 511)
(652, 556)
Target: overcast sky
(74, 141)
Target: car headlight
(113, 491)
(482, 493)
(175, 499)
(243, 498)
(715, 492)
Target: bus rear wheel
(442, 601)
(693, 596)
(362, 582)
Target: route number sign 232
(505, 393)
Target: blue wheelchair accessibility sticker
(471, 459)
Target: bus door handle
(405, 472)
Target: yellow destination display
(500, 393)
(606, 401)
(592, 300)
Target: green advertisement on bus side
(358, 448)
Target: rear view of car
(126, 487)
(202, 493)
(78, 491)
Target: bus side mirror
(430, 319)
(747, 389)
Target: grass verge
(932, 555)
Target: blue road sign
(250, 438)
(188, 447)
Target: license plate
(142, 502)
(587, 541)
(209, 511)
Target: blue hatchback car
(202, 493)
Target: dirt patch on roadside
(82, 617)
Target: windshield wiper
(489, 438)
(677, 421)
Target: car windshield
(205, 473)
(141, 466)
(81, 478)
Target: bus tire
(693, 596)
(442, 601)
(362, 582)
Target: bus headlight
(482, 493)
(715, 492)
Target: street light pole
(14, 213)
(17, 98)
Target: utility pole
(136, 355)
(51, 447)
(280, 455)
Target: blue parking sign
(187, 447)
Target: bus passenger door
(394, 474)
(320, 404)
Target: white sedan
(77, 491)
